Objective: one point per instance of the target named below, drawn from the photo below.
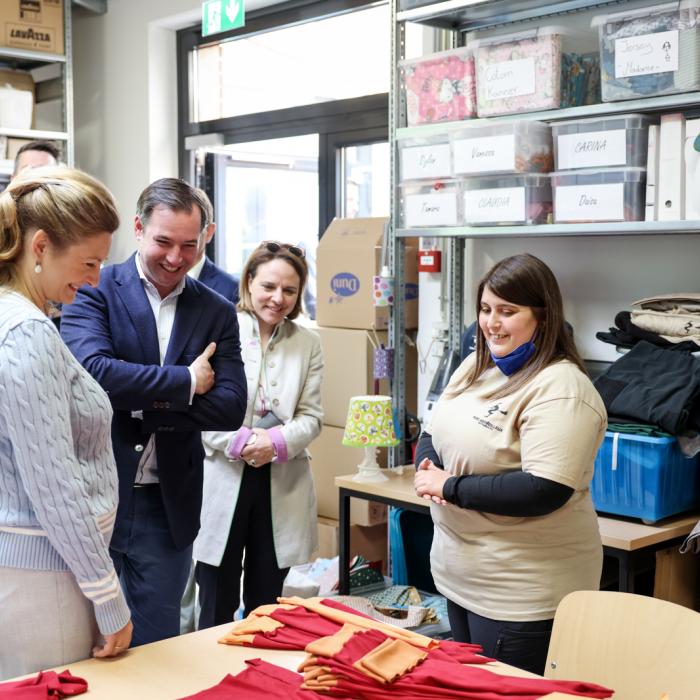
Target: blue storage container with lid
(644, 477)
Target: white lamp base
(368, 469)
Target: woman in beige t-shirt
(507, 464)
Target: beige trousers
(45, 621)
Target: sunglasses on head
(274, 247)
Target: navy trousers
(520, 644)
(152, 572)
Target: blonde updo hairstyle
(68, 205)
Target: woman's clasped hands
(429, 482)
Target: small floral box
(440, 87)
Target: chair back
(641, 647)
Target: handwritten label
(590, 203)
(430, 209)
(500, 205)
(485, 155)
(593, 149)
(510, 79)
(646, 54)
(419, 162)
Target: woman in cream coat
(259, 498)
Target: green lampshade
(370, 422)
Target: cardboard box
(371, 542)
(329, 458)
(13, 145)
(348, 256)
(34, 25)
(348, 361)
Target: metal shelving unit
(471, 15)
(23, 59)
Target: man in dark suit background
(166, 349)
(205, 270)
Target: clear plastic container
(525, 71)
(502, 147)
(649, 51)
(440, 87)
(608, 194)
(644, 477)
(430, 204)
(427, 158)
(602, 142)
(501, 200)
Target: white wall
(126, 97)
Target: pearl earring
(37, 267)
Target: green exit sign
(222, 15)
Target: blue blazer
(218, 280)
(112, 332)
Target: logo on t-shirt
(491, 411)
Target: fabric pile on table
(46, 685)
(353, 656)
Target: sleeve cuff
(193, 384)
(235, 447)
(112, 615)
(449, 489)
(279, 443)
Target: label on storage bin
(431, 209)
(503, 204)
(510, 79)
(425, 161)
(646, 54)
(482, 155)
(594, 149)
(590, 202)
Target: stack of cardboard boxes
(31, 25)
(350, 327)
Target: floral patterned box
(524, 72)
(440, 87)
(650, 51)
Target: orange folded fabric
(244, 631)
(341, 617)
(331, 645)
(390, 660)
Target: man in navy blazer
(166, 349)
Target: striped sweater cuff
(112, 615)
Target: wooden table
(185, 665)
(629, 542)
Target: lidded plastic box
(429, 204)
(425, 158)
(521, 72)
(649, 51)
(495, 200)
(440, 87)
(502, 147)
(607, 194)
(602, 142)
(644, 477)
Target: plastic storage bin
(505, 147)
(430, 204)
(650, 51)
(440, 87)
(506, 200)
(609, 194)
(644, 477)
(428, 158)
(602, 142)
(524, 72)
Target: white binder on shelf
(652, 202)
(692, 170)
(671, 186)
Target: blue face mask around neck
(513, 361)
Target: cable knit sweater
(58, 480)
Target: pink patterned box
(519, 72)
(440, 87)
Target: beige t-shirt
(514, 568)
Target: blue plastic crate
(644, 477)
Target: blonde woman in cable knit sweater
(59, 594)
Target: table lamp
(370, 424)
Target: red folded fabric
(305, 621)
(45, 685)
(259, 681)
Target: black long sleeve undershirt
(514, 493)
